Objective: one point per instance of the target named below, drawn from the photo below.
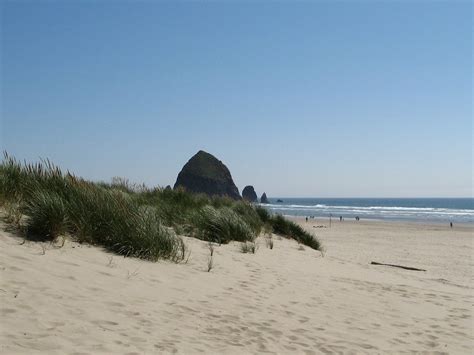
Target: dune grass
(129, 219)
(269, 242)
(57, 204)
(248, 247)
(48, 217)
(221, 225)
(290, 229)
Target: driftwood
(400, 266)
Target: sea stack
(264, 198)
(204, 173)
(249, 194)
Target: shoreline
(436, 210)
(335, 220)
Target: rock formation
(248, 193)
(204, 173)
(264, 198)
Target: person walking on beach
(451, 224)
(306, 219)
(340, 218)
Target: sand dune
(80, 299)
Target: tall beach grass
(56, 204)
(129, 219)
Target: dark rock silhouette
(168, 187)
(279, 200)
(264, 198)
(249, 194)
(204, 173)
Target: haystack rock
(204, 173)
(264, 198)
(248, 193)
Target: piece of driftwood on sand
(399, 266)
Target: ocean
(443, 210)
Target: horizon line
(366, 197)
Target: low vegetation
(269, 241)
(284, 227)
(210, 263)
(248, 247)
(128, 219)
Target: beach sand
(80, 299)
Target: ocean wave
(372, 208)
(292, 206)
(390, 212)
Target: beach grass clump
(246, 211)
(19, 182)
(248, 247)
(13, 215)
(147, 238)
(269, 241)
(221, 225)
(267, 228)
(210, 263)
(263, 213)
(303, 237)
(47, 215)
(114, 219)
(217, 219)
(280, 225)
(57, 204)
(175, 207)
(290, 229)
(210, 246)
(220, 201)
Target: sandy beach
(79, 299)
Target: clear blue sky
(317, 98)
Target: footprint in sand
(102, 323)
(6, 311)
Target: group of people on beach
(357, 218)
